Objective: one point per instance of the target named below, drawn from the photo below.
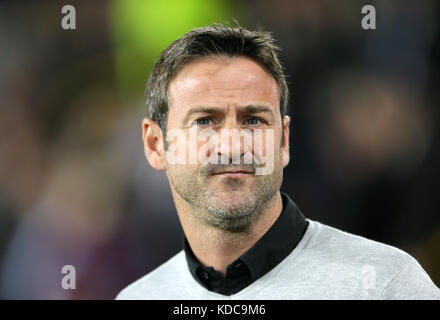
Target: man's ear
(286, 151)
(153, 144)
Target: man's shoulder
(150, 285)
(338, 246)
(364, 268)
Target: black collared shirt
(271, 249)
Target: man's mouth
(233, 172)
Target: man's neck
(218, 248)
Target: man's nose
(231, 143)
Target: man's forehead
(213, 80)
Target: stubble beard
(210, 207)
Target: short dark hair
(214, 40)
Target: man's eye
(253, 121)
(203, 122)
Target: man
(244, 239)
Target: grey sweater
(326, 264)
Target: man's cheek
(177, 143)
(264, 155)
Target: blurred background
(76, 189)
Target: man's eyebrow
(210, 110)
(256, 109)
(195, 110)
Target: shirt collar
(278, 241)
(267, 252)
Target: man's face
(214, 95)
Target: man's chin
(232, 201)
(233, 196)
